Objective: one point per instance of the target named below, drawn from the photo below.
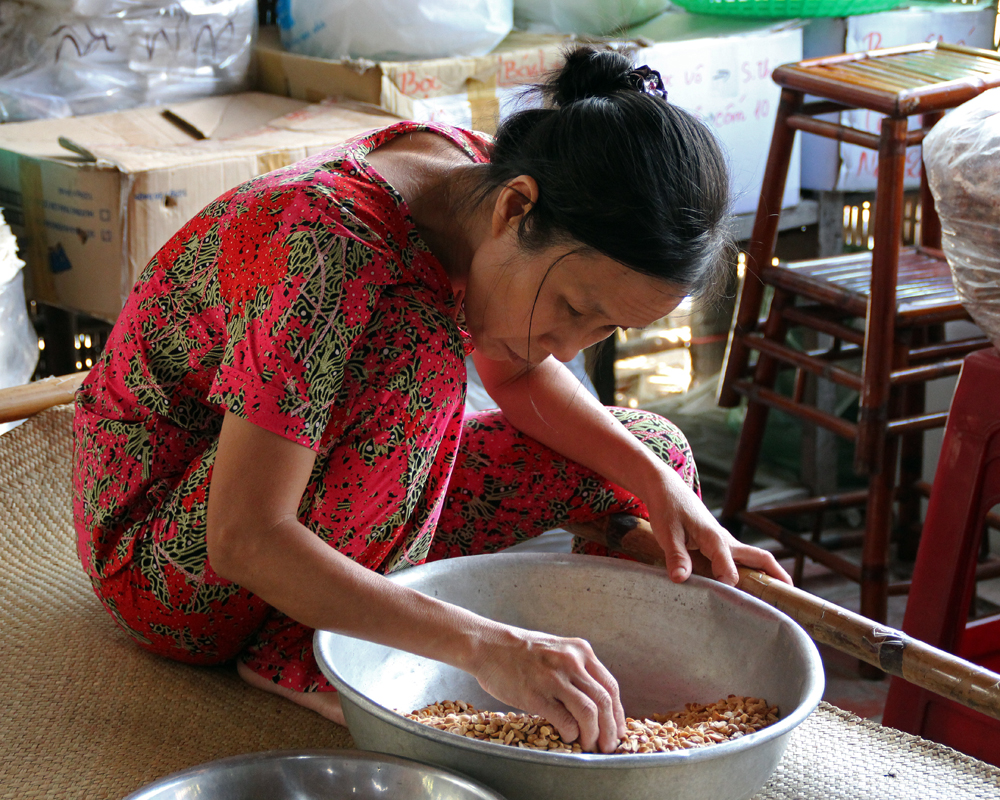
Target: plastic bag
(962, 159)
(393, 30)
(60, 61)
(18, 340)
(597, 17)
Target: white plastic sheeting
(393, 30)
(61, 58)
(962, 158)
(18, 340)
(597, 17)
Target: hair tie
(647, 81)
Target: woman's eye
(573, 312)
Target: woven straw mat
(87, 714)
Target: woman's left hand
(682, 523)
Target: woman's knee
(664, 438)
(206, 636)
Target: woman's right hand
(558, 678)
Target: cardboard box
(471, 92)
(717, 68)
(92, 198)
(831, 165)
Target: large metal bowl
(667, 645)
(313, 775)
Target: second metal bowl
(313, 775)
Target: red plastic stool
(966, 487)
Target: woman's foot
(325, 703)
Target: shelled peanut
(695, 726)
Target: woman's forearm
(254, 539)
(549, 405)
(291, 568)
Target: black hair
(620, 171)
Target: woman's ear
(516, 198)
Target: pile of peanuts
(695, 726)
(516, 730)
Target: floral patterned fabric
(305, 302)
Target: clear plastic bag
(60, 61)
(596, 17)
(393, 30)
(18, 340)
(962, 159)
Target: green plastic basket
(786, 8)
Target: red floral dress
(305, 302)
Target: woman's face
(522, 307)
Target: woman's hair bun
(589, 72)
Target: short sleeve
(298, 288)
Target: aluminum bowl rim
(346, 754)
(814, 678)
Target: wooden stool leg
(761, 250)
(878, 518)
(930, 223)
(880, 323)
(911, 463)
(911, 453)
(744, 464)
(60, 356)
(752, 431)
(875, 550)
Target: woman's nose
(562, 346)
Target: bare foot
(326, 704)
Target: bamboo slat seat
(924, 284)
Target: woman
(277, 420)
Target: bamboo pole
(888, 649)
(31, 398)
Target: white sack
(596, 17)
(962, 158)
(393, 30)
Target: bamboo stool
(966, 487)
(886, 308)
